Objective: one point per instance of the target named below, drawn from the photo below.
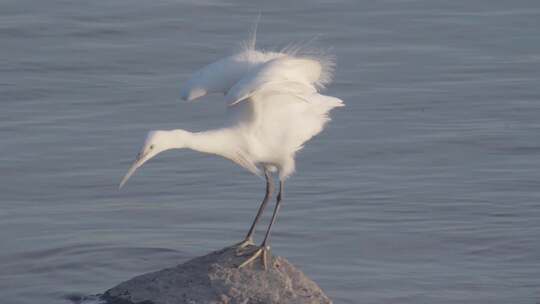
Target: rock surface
(216, 279)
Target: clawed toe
(262, 252)
(242, 245)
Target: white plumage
(274, 108)
(276, 96)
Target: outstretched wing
(220, 76)
(279, 101)
(296, 76)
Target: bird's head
(155, 143)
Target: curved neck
(226, 142)
(219, 142)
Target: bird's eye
(151, 147)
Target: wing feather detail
(285, 74)
(220, 76)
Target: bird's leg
(264, 249)
(274, 215)
(248, 240)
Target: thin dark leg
(264, 249)
(268, 194)
(274, 215)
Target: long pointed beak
(139, 161)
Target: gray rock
(216, 279)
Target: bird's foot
(242, 245)
(263, 252)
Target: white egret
(275, 107)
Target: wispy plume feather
(325, 58)
(301, 49)
(252, 40)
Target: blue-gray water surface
(423, 189)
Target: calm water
(424, 189)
